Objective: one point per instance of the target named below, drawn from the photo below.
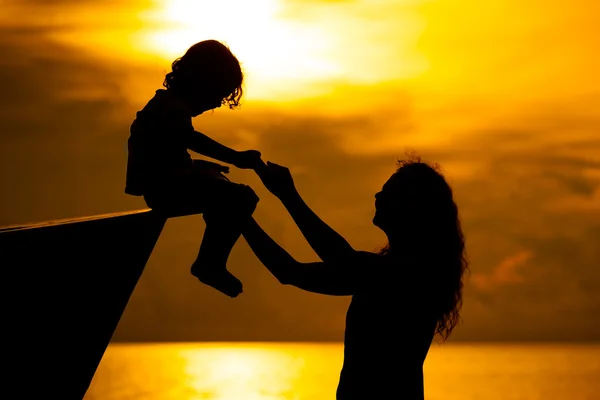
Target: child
(160, 168)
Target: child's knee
(247, 199)
(238, 201)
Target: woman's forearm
(312, 277)
(278, 261)
(329, 245)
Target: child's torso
(158, 141)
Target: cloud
(561, 287)
(65, 123)
(526, 176)
(522, 274)
(505, 273)
(531, 220)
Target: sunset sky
(504, 94)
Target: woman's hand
(277, 179)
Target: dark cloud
(64, 126)
(62, 117)
(533, 275)
(532, 221)
(553, 296)
(307, 145)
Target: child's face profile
(205, 105)
(204, 101)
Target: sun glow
(270, 48)
(293, 53)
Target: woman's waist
(380, 381)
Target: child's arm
(202, 144)
(323, 278)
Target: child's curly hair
(209, 67)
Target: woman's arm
(324, 278)
(325, 241)
(329, 245)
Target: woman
(401, 297)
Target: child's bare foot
(218, 278)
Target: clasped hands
(276, 178)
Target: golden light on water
(218, 371)
(249, 372)
(293, 371)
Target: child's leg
(210, 266)
(224, 218)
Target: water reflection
(255, 372)
(217, 371)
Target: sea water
(294, 371)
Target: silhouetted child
(161, 169)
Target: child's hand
(249, 159)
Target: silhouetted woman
(402, 296)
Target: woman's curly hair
(207, 67)
(430, 230)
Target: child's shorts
(205, 189)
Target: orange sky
(504, 94)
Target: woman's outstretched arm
(321, 277)
(329, 245)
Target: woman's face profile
(384, 201)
